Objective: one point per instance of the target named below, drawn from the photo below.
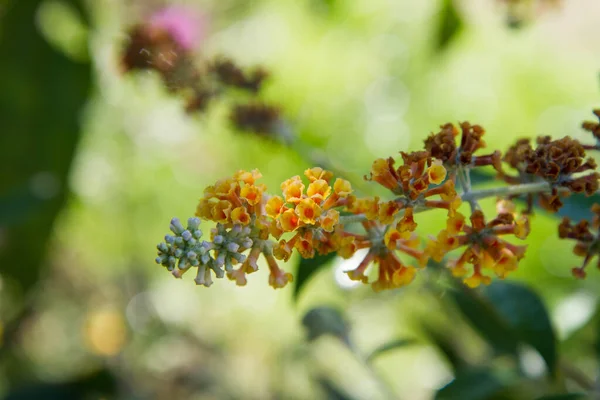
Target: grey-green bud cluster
(229, 244)
(183, 250)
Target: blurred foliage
(83, 311)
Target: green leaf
(447, 345)
(473, 384)
(567, 396)
(450, 24)
(307, 268)
(332, 392)
(43, 92)
(527, 316)
(326, 320)
(396, 344)
(484, 318)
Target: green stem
(526, 188)
(472, 196)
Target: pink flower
(186, 26)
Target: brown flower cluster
(201, 82)
(561, 163)
(587, 236)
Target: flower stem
(538, 187)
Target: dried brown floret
(593, 127)
(229, 74)
(255, 117)
(587, 235)
(442, 145)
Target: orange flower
(289, 220)
(342, 187)
(252, 194)
(317, 173)
(274, 206)
(239, 215)
(387, 212)
(329, 220)
(485, 249)
(293, 189)
(318, 190)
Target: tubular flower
(484, 247)
(587, 235)
(309, 212)
(383, 251)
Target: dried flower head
(587, 236)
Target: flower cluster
(587, 235)
(165, 43)
(561, 163)
(318, 214)
(484, 249)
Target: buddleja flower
(587, 235)
(383, 252)
(237, 205)
(485, 249)
(412, 183)
(309, 212)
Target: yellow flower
(382, 172)
(477, 279)
(247, 177)
(274, 206)
(455, 224)
(329, 220)
(522, 227)
(318, 190)
(252, 194)
(204, 209)
(393, 238)
(436, 173)
(239, 215)
(292, 189)
(403, 276)
(289, 221)
(387, 211)
(308, 211)
(221, 211)
(342, 187)
(407, 223)
(317, 173)
(346, 246)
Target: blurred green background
(94, 163)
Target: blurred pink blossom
(186, 26)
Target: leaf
(472, 384)
(332, 392)
(483, 317)
(396, 344)
(307, 268)
(447, 346)
(99, 384)
(43, 92)
(326, 320)
(450, 24)
(566, 396)
(526, 314)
